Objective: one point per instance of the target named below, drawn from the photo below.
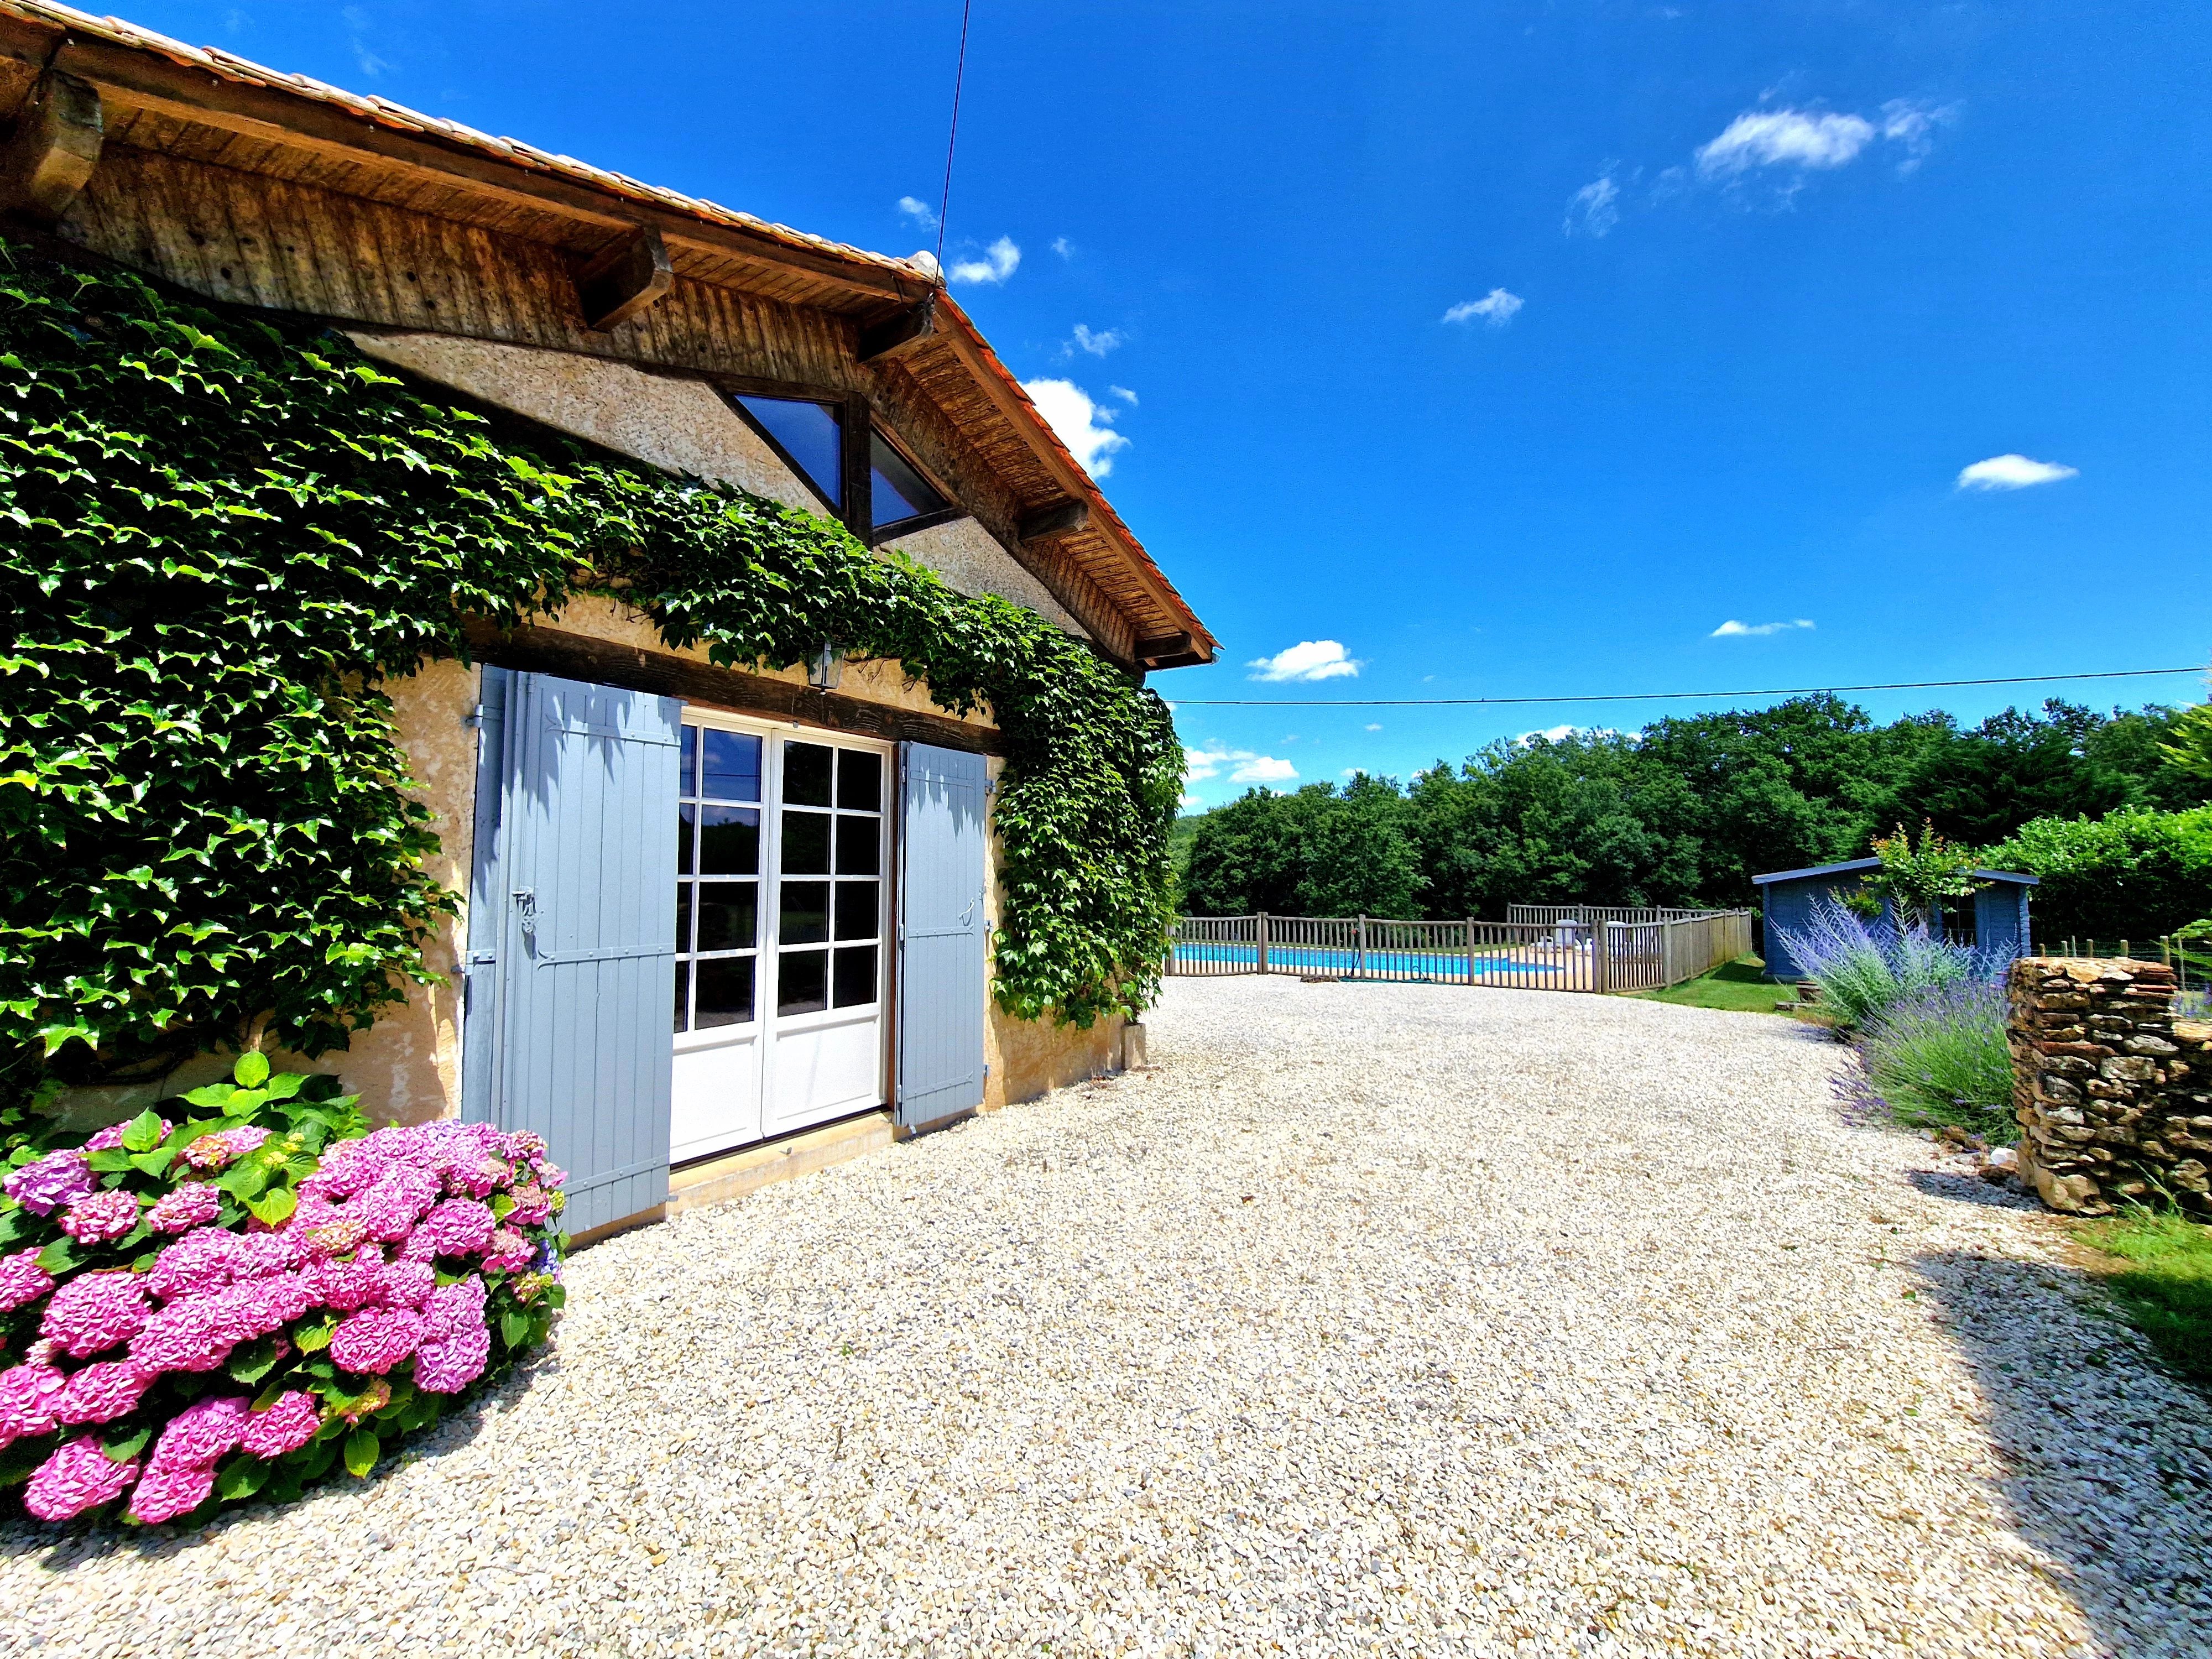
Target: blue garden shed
(1787, 898)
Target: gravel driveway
(1396, 1319)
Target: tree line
(1686, 810)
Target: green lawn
(1740, 987)
(2162, 1277)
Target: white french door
(780, 918)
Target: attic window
(810, 439)
(897, 491)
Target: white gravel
(1387, 1319)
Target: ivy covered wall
(225, 532)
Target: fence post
(1263, 941)
(1470, 950)
(1359, 964)
(1601, 955)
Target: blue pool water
(1318, 959)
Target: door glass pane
(857, 841)
(725, 992)
(806, 843)
(686, 815)
(729, 918)
(805, 915)
(688, 779)
(856, 975)
(683, 915)
(729, 840)
(682, 994)
(802, 982)
(732, 766)
(856, 909)
(806, 774)
(859, 781)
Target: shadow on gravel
(78, 1541)
(2103, 1460)
(1970, 1189)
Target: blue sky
(1496, 349)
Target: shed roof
(1853, 866)
(143, 74)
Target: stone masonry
(2113, 1094)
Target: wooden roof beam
(1062, 518)
(50, 152)
(623, 278)
(914, 326)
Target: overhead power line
(1660, 696)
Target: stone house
(711, 343)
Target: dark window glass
(856, 975)
(732, 770)
(857, 840)
(856, 909)
(683, 915)
(682, 994)
(806, 918)
(806, 774)
(729, 915)
(809, 434)
(689, 784)
(686, 815)
(897, 491)
(806, 843)
(802, 982)
(729, 840)
(725, 992)
(859, 781)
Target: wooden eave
(161, 99)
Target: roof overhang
(898, 307)
(1858, 866)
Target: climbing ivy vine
(222, 536)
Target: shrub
(2132, 874)
(1862, 967)
(1939, 1056)
(241, 1300)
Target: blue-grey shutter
(941, 966)
(575, 896)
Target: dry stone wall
(2113, 1094)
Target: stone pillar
(2113, 1094)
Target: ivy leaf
(273, 1208)
(144, 1133)
(362, 1448)
(125, 1441)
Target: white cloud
(1098, 344)
(1785, 137)
(1913, 123)
(2013, 472)
(1374, 726)
(1242, 765)
(1496, 307)
(918, 210)
(1085, 428)
(1001, 259)
(1550, 734)
(1191, 800)
(1124, 394)
(1063, 247)
(1733, 630)
(1309, 659)
(1594, 209)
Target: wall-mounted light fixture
(827, 668)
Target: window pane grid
(717, 917)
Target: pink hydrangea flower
(94, 1311)
(335, 1238)
(532, 1205)
(258, 1255)
(53, 1182)
(550, 1175)
(79, 1476)
(102, 1393)
(183, 1209)
(30, 1395)
(197, 1264)
(101, 1216)
(215, 1152)
(167, 1493)
(452, 1362)
(111, 1137)
(202, 1433)
(452, 1309)
(375, 1340)
(23, 1280)
(407, 1284)
(195, 1334)
(286, 1426)
(508, 1252)
(347, 1285)
(460, 1226)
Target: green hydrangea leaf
(362, 1448)
(124, 1441)
(58, 1257)
(514, 1326)
(242, 1477)
(144, 1133)
(252, 1069)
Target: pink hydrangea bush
(247, 1290)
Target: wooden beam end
(912, 327)
(623, 278)
(1062, 519)
(50, 154)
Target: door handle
(526, 902)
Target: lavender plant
(1938, 1055)
(1863, 967)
